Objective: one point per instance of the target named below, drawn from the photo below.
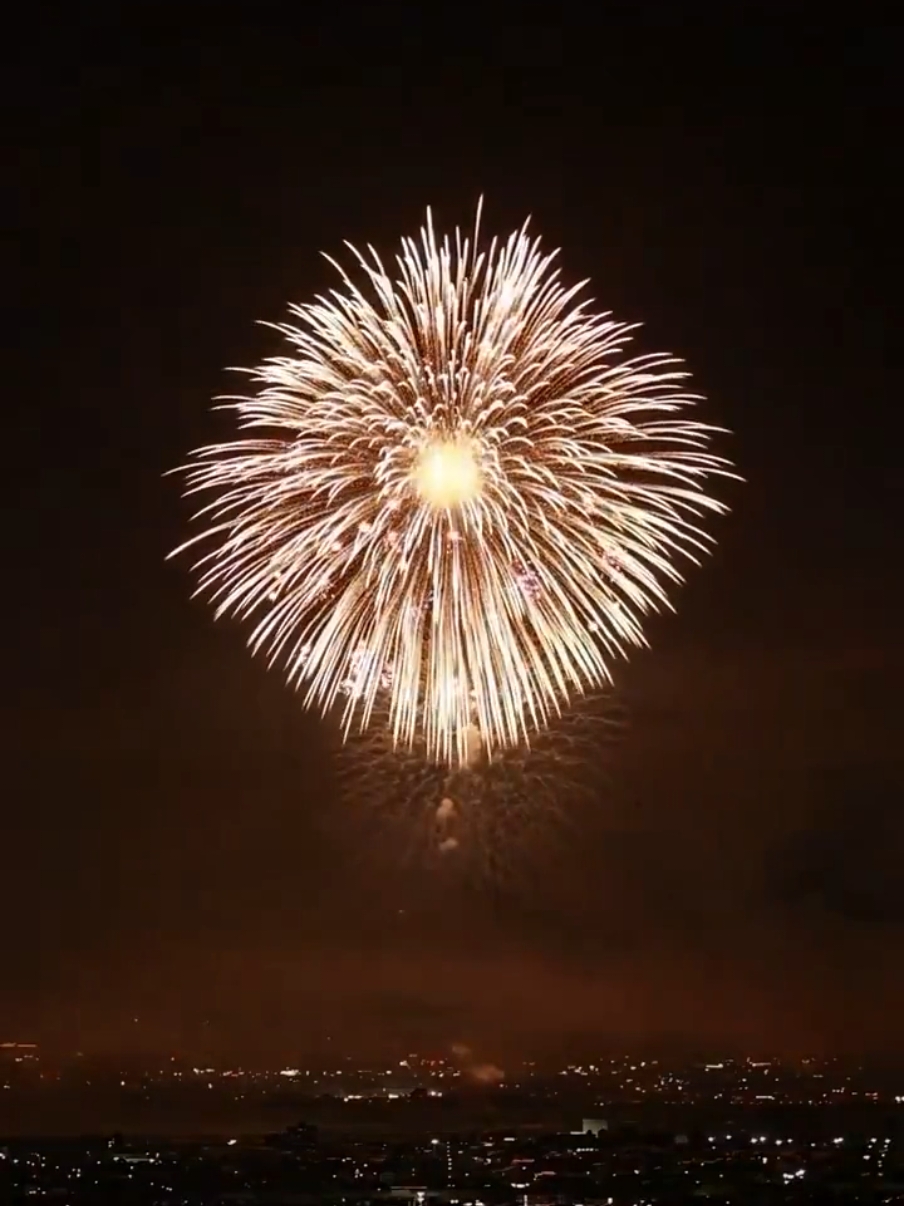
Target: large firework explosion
(458, 497)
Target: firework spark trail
(457, 493)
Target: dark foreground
(425, 1154)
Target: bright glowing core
(447, 474)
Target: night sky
(173, 845)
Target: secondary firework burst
(457, 497)
(497, 821)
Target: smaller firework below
(499, 816)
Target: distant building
(302, 1137)
(420, 1195)
(17, 1053)
(593, 1126)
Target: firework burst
(499, 820)
(457, 497)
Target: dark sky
(172, 845)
